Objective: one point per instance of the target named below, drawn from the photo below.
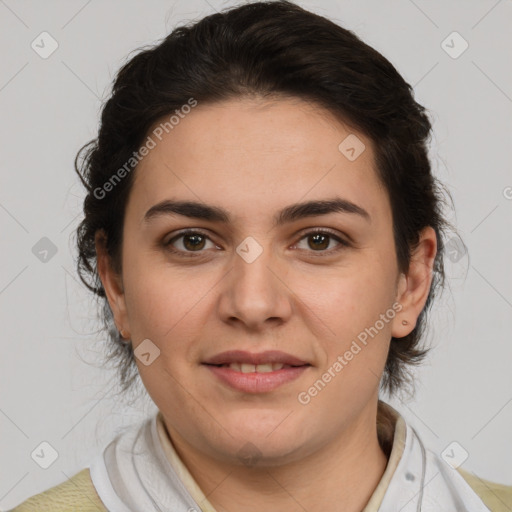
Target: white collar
(424, 482)
(135, 473)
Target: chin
(261, 454)
(263, 424)
(256, 444)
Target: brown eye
(188, 242)
(193, 242)
(320, 241)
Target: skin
(253, 158)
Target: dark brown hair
(264, 49)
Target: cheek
(357, 307)
(359, 311)
(351, 299)
(165, 307)
(164, 301)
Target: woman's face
(253, 276)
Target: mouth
(255, 368)
(255, 373)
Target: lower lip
(256, 382)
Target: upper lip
(268, 356)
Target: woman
(265, 230)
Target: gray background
(52, 385)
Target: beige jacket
(79, 494)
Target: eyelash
(343, 244)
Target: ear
(112, 283)
(413, 288)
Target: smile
(250, 378)
(258, 368)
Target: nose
(254, 293)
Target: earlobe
(112, 283)
(413, 288)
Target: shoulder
(497, 497)
(77, 493)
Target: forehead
(254, 155)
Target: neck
(340, 476)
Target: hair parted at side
(264, 49)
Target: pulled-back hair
(264, 49)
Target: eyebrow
(294, 212)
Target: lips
(258, 368)
(255, 373)
(267, 357)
